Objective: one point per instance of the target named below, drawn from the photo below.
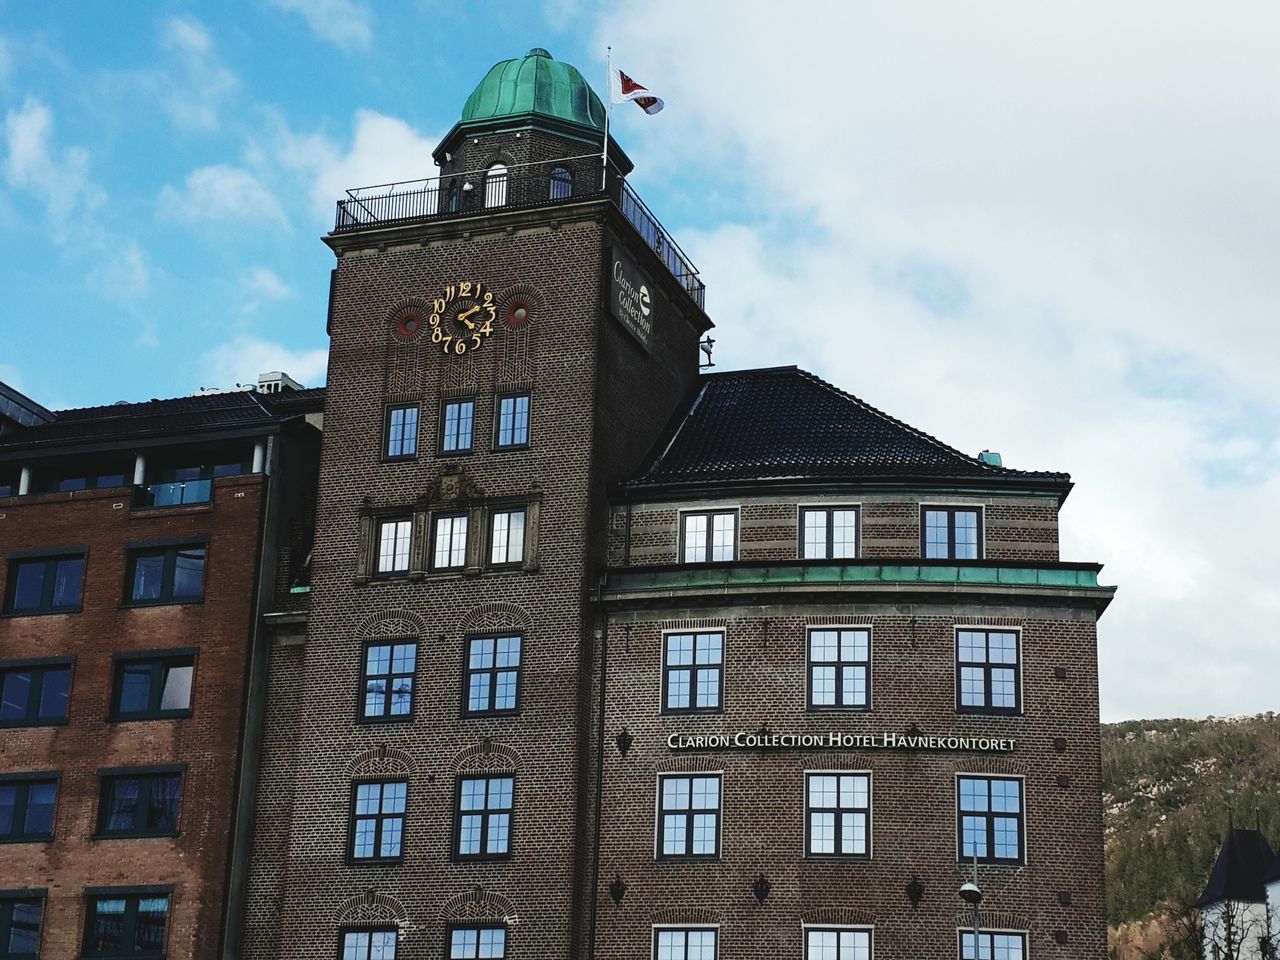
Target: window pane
(148, 571)
(561, 183)
(695, 538)
(15, 694)
(24, 931)
(815, 534)
(936, 542)
(122, 800)
(844, 534)
(135, 687)
(149, 927)
(68, 578)
(966, 522)
(8, 803)
(393, 546)
(188, 572)
(722, 536)
(165, 799)
(41, 799)
(54, 693)
(177, 688)
(28, 585)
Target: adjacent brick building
(606, 657)
(140, 543)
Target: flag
(622, 88)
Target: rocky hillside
(1168, 787)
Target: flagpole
(608, 107)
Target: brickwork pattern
(195, 862)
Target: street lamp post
(971, 894)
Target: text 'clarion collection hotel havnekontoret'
(526, 637)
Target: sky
(1045, 229)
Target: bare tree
(1230, 931)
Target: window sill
(688, 858)
(174, 715)
(14, 614)
(407, 458)
(510, 447)
(717, 712)
(989, 712)
(489, 714)
(362, 721)
(144, 604)
(463, 859)
(375, 861)
(170, 509)
(136, 835)
(41, 839)
(29, 724)
(825, 708)
(837, 857)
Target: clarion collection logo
(835, 739)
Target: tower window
(483, 817)
(474, 943)
(495, 186)
(492, 674)
(506, 538)
(513, 421)
(377, 820)
(451, 543)
(951, 533)
(388, 680)
(829, 534)
(369, 943)
(709, 536)
(685, 943)
(561, 183)
(840, 944)
(693, 672)
(402, 432)
(1006, 946)
(991, 819)
(838, 806)
(838, 664)
(457, 421)
(393, 546)
(987, 678)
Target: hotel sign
(631, 297)
(837, 740)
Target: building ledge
(1070, 583)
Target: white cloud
(345, 24)
(264, 284)
(123, 276)
(58, 178)
(241, 359)
(1019, 231)
(196, 84)
(222, 193)
(383, 150)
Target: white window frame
(979, 508)
(457, 545)
(1020, 665)
(709, 513)
(657, 928)
(829, 508)
(957, 813)
(507, 512)
(868, 929)
(871, 819)
(1024, 934)
(657, 819)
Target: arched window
(495, 186)
(561, 183)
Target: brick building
(607, 657)
(141, 542)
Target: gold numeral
(445, 341)
(475, 340)
(487, 327)
(436, 335)
(439, 306)
(434, 319)
(464, 288)
(460, 346)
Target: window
(474, 943)
(492, 674)
(153, 688)
(991, 819)
(484, 817)
(126, 924)
(987, 678)
(26, 808)
(46, 585)
(709, 536)
(369, 944)
(458, 418)
(165, 575)
(451, 543)
(506, 538)
(495, 186)
(34, 694)
(688, 817)
(561, 183)
(693, 674)
(837, 944)
(952, 533)
(393, 546)
(20, 917)
(513, 421)
(388, 681)
(135, 804)
(993, 946)
(838, 669)
(402, 432)
(377, 820)
(838, 815)
(829, 534)
(685, 944)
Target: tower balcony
(519, 186)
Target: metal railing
(173, 494)
(528, 185)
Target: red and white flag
(622, 88)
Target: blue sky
(1043, 229)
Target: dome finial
(540, 52)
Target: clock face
(462, 319)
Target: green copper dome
(535, 84)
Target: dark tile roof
(207, 413)
(784, 423)
(1238, 874)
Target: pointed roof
(785, 424)
(1238, 874)
(1272, 875)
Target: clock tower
(507, 338)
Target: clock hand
(462, 317)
